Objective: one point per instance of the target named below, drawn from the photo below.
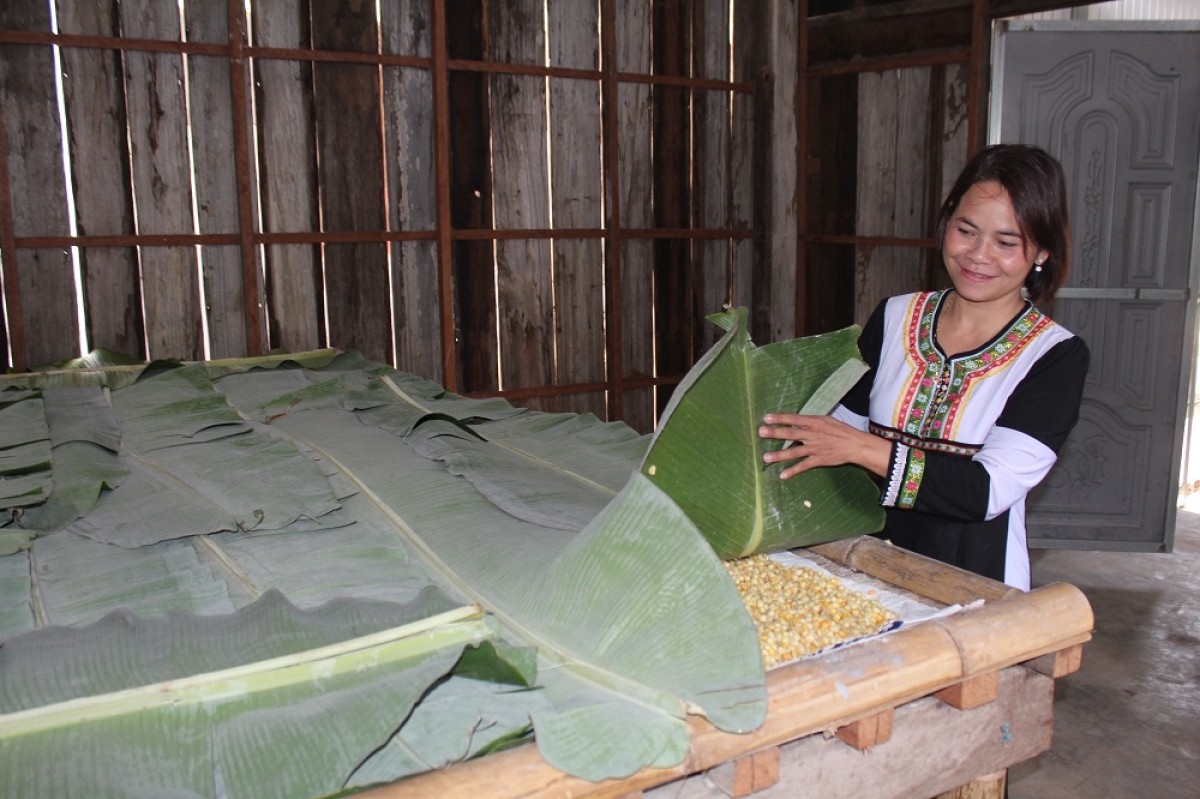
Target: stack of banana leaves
(303, 574)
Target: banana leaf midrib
(751, 424)
(40, 617)
(229, 564)
(461, 625)
(613, 683)
(402, 394)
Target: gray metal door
(1119, 105)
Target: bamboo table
(936, 709)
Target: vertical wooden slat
(575, 197)
(470, 202)
(741, 153)
(614, 335)
(916, 165)
(712, 161)
(95, 105)
(357, 284)
(9, 280)
(976, 90)
(240, 90)
(441, 159)
(777, 133)
(8, 258)
(412, 199)
(42, 296)
(635, 186)
(162, 187)
(913, 161)
(287, 158)
(894, 165)
(803, 156)
(520, 187)
(213, 147)
(878, 117)
(673, 295)
(954, 132)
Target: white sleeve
(844, 414)
(1016, 463)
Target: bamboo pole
(809, 696)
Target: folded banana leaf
(708, 456)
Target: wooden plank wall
(591, 199)
(911, 145)
(288, 179)
(33, 140)
(238, 184)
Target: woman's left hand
(822, 441)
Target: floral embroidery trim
(895, 476)
(938, 387)
(912, 479)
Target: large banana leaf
(268, 702)
(632, 615)
(708, 456)
(634, 611)
(25, 464)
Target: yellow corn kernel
(798, 610)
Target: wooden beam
(869, 731)
(972, 692)
(748, 774)
(900, 29)
(252, 306)
(1060, 663)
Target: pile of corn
(798, 610)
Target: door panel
(1119, 105)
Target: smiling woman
(972, 390)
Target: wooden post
(1060, 663)
(870, 731)
(972, 692)
(748, 774)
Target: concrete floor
(1127, 724)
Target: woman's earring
(1038, 266)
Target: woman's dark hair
(1037, 189)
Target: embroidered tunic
(971, 432)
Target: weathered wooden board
(471, 204)
(576, 192)
(635, 181)
(287, 158)
(741, 159)
(521, 198)
(933, 748)
(779, 188)
(46, 279)
(216, 180)
(357, 282)
(893, 159)
(954, 144)
(412, 191)
(673, 142)
(162, 181)
(97, 138)
(712, 183)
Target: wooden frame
(900, 691)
